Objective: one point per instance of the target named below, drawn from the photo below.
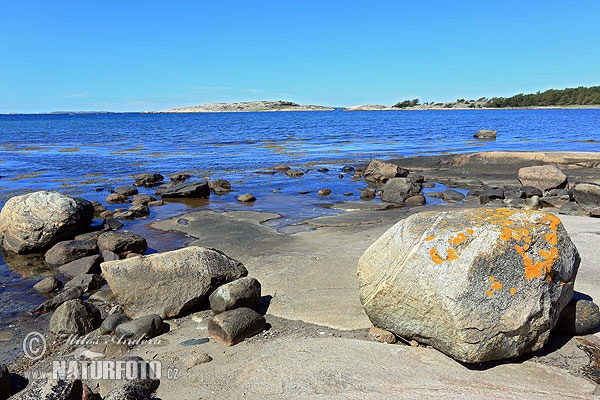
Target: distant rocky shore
(281, 105)
(249, 106)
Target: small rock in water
(324, 192)
(294, 173)
(47, 285)
(116, 198)
(486, 134)
(121, 242)
(348, 168)
(323, 170)
(348, 194)
(126, 190)
(246, 198)
(219, 186)
(452, 196)
(368, 194)
(148, 179)
(197, 190)
(179, 177)
(304, 192)
(70, 250)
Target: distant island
(249, 106)
(569, 97)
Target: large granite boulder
(33, 222)
(379, 171)
(479, 284)
(543, 177)
(171, 283)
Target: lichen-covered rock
(33, 222)
(170, 283)
(478, 285)
(543, 177)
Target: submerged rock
(185, 190)
(171, 283)
(148, 179)
(34, 222)
(479, 284)
(486, 134)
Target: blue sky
(152, 55)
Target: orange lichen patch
(492, 279)
(469, 231)
(435, 256)
(519, 249)
(552, 239)
(429, 238)
(527, 239)
(513, 290)
(496, 286)
(489, 292)
(554, 253)
(452, 255)
(458, 239)
(506, 234)
(523, 232)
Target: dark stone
(85, 265)
(126, 190)
(98, 207)
(75, 317)
(415, 201)
(526, 192)
(243, 292)
(142, 199)
(579, 317)
(59, 299)
(397, 190)
(148, 179)
(86, 282)
(417, 178)
(121, 242)
(246, 198)
(233, 326)
(50, 389)
(479, 199)
(88, 236)
(219, 186)
(561, 192)
(281, 167)
(70, 250)
(452, 196)
(324, 192)
(179, 177)
(185, 190)
(586, 194)
(494, 193)
(486, 134)
(5, 385)
(116, 198)
(435, 195)
(111, 322)
(367, 194)
(323, 170)
(148, 326)
(112, 224)
(294, 173)
(47, 285)
(347, 168)
(142, 374)
(139, 210)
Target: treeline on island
(580, 96)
